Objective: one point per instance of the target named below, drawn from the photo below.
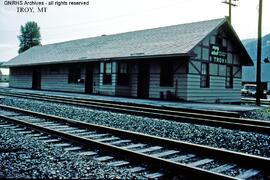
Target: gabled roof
(163, 41)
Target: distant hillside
(251, 46)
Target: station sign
(218, 54)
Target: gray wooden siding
(134, 80)
(107, 89)
(179, 82)
(20, 78)
(58, 81)
(96, 78)
(217, 92)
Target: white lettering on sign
(218, 54)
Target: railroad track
(168, 157)
(253, 101)
(212, 118)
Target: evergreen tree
(29, 37)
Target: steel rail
(104, 103)
(173, 167)
(204, 119)
(242, 159)
(253, 101)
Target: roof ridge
(140, 30)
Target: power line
(230, 3)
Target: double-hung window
(123, 74)
(107, 75)
(166, 74)
(229, 76)
(74, 75)
(205, 83)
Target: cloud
(8, 45)
(5, 11)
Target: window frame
(123, 78)
(205, 77)
(166, 74)
(75, 75)
(107, 76)
(229, 77)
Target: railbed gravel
(25, 157)
(261, 114)
(241, 141)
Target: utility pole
(259, 54)
(230, 7)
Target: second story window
(107, 75)
(123, 74)
(205, 82)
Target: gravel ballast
(241, 141)
(24, 157)
(261, 114)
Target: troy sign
(218, 54)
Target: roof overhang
(246, 59)
(133, 58)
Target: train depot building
(199, 62)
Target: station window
(229, 76)
(205, 83)
(219, 40)
(123, 75)
(166, 74)
(74, 75)
(54, 70)
(107, 75)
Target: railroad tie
(35, 120)
(223, 168)
(25, 132)
(18, 129)
(51, 140)
(118, 163)
(95, 135)
(87, 153)
(76, 131)
(154, 175)
(154, 148)
(136, 169)
(6, 113)
(34, 135)
(183, 157)
(75, 148)
(43, 137)
(57, 127)
(66, 129)
(248, 174)
(62, 145)
(119, 142)
(201, 162)
(133, 146)
(107, 139)
(7, 126)
(165, 153)
(103, 158)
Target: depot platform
(155, 103)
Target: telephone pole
(259, 54)
(230, 3)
